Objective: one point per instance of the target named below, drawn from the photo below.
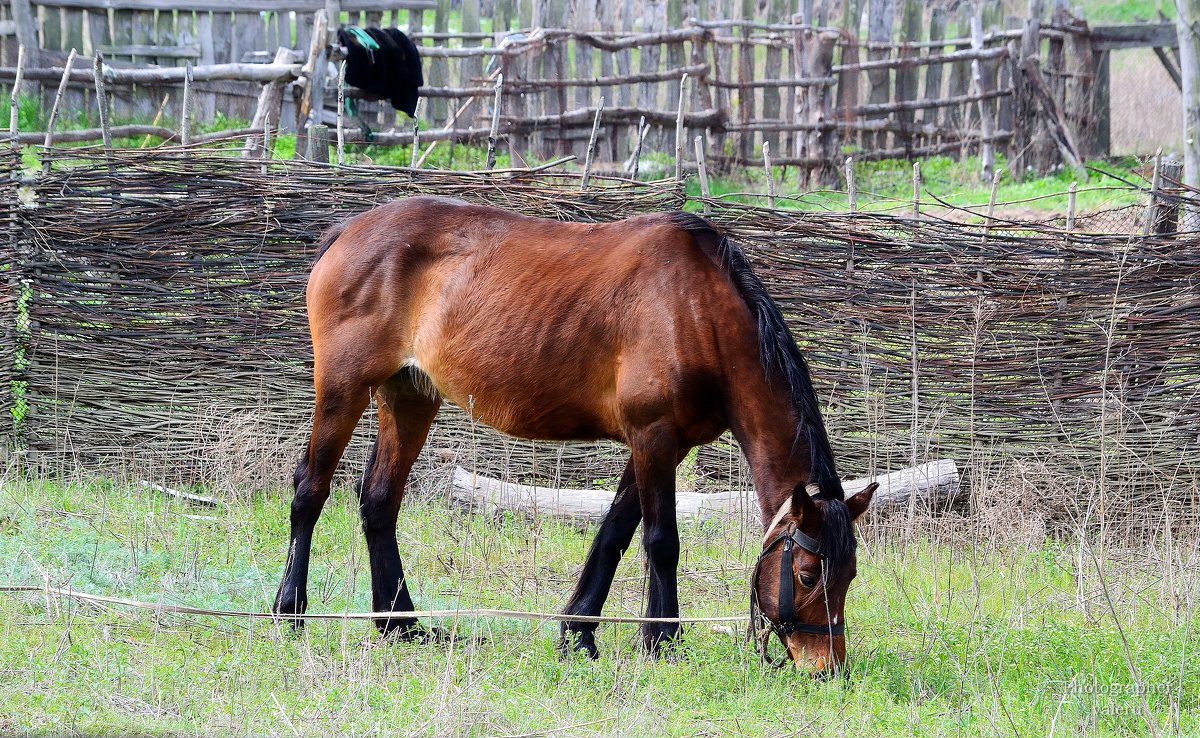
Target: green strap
(364, 38)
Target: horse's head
(798, 591)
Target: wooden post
(770, 175)
(987, 120)
(266, 154)
(58, 96)
(185, 113)
(14, 105)
(1071, 194)
(491, 152)
(916, 189)
(745, 75)
(851, 186)
(906, 76)
(26, 28)
(1167, 219)
(591, 147)
(881, 18)
(643, 128)
(1187, 27)
(933, 73)
(679, 131)
(703, 172)
(102, 100)
(814, 59)
(416, 123)
(341, 116)
(1152, 203)
(318, 143)
(987, 225)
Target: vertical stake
(679, 132)
(704, 193)
(916, 189)
(341, 115)
(58, 96)
(14, 110)
(416, 144)
(1155, 185)
(1071, 209)
(637, 149)
(102, 100)
(770, 177)
(591, 147)
(992, 203)
(266, 158)
(185, 115)
(851, 185)
(491, 152)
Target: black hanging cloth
(384, 63)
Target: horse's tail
(331, 234)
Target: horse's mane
(778, 352)
(330, 235)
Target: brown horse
(652, 331)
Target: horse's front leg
(596, 578)
(655, 456)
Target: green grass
(946, 638)
(887, 186)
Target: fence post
(770, 176)
(341, 116)
(703, 172)
(1152, 203)
(987, 122)
(58, 96)
(185, 113)
(14, 106)
(851, 186)
(642, 128)
(102, 101)
(318, 143)
(591, 146)
(491, 151)
(678, 131)
(916, 181)
(1168, 214)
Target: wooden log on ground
(930, 485)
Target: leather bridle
(786, 622)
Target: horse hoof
(290, 605)
(410, 631)
(660, 642)
(571, 641)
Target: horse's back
(542, 328)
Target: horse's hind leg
(338, 408)
(595, 581)
(406, 410)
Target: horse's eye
(808, 581)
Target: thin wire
(387, 615)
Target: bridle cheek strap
(786, 622)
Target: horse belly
(520, 393)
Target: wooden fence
(167, 335)
(813, 86)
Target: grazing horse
(652, 331)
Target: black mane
(779, 354)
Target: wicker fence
(167, 331)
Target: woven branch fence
(167, 330)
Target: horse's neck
(762, 419)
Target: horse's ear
(802, 502)
(859, 503)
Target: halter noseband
(786, 621)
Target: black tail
(779, 354)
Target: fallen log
(933, 484)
